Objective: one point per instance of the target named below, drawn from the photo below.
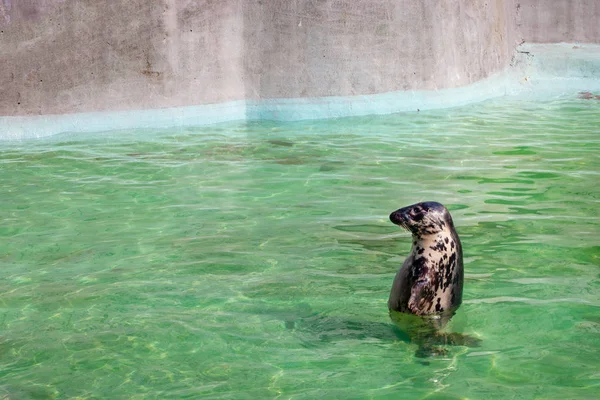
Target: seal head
(430, 281)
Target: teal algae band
(536, 70)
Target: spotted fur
(431, 279)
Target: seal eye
(417, 214)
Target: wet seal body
(430, 282)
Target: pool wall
(66, 63)
(554, 21)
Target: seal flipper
(420, 295)
(456, 339)
(432, 346)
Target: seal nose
(396, 217)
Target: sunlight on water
(250, 261)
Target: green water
(254, 261)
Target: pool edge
(536, 69)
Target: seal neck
(430, 237)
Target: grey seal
(430, 281)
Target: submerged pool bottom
(255, 260)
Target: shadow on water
(316, 329)
(327, 329)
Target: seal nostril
(398, 217)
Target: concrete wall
(299, 48)
(552, 21)
(60, 56)
(65, 56)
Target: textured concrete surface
(73, 56)
(299, 48)
(553, 21)
(61, 56)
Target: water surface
(251, 261)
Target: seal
(430, 281)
